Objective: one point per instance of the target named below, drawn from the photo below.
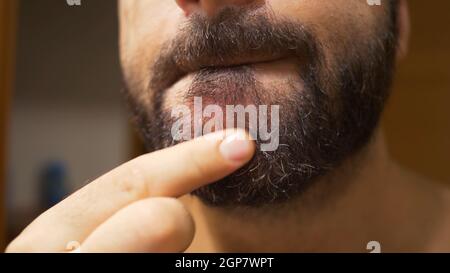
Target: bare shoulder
(441, 240)
(431, 204)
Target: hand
(133, 208)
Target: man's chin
(269, 179)
(271, 108)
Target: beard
(327, 113)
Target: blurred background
(63, 121)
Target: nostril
(188, 6)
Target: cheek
(336, 21)
(145, 26)
(175, 94)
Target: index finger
(171, 172)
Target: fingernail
(236, 147)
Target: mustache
(235, 36)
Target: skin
(141, 21)
(118, 211)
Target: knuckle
(131, 181)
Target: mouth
(240, 83)
(187, 67)
(190, 66)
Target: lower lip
(273, 67)
(271, 71)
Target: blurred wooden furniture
(8, 9)
(417, 120)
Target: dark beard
(330, 119)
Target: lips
(234, 38)
(187, 66)
(240, 84)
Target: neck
(367, 199)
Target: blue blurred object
(53, 183)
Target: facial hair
(330, 118)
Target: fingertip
(237, 148)
(236, 145)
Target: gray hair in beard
(331, 119)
